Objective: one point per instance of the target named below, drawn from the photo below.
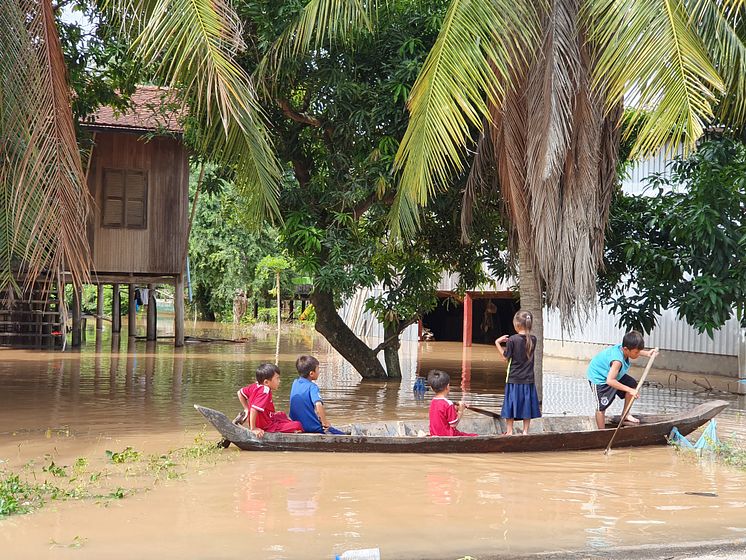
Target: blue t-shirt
(303, 398)
(598, 369)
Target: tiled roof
(152, 109)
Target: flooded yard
(123, 393)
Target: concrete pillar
(76, 316)
(179, 311)
(132, 317)
(116, 309)
(152, 313)
(100, 308)
(467, 319)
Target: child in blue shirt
(306, 405)
(608, 378)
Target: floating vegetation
(36, 485)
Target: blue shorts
(605, 393)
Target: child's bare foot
(508, 434)
(631, 421)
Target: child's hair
(438, 380)
(265, 372)
(633, 340)
(306, 364)
(525, 320)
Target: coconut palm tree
(544, 81)
(44, 201)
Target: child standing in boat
(608, 378)
(306, 405)
(521, 400)
(444, 415)
(258, 406)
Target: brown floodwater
(115, 393)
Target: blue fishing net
(708, 441)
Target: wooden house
(138, 176)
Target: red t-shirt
(443, 418)
(260, 399)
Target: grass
(35, 486)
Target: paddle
(628, 406)
(483, 411)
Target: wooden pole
(100, 308)
(179, 311)
(132, 317)
(116, 309)
(632, 401)
(76, 316)
(152, 313)
(467, 319)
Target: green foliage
(16, 496)
(224, 249)
(127, 455)
(684, 247)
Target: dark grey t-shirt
(520, 368)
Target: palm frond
(482, 177)
(723, 32)
(479, 42)
(551, 91)
(45, 199)
(319, 23)
(194, 44)
(648, 49)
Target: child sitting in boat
(444, 415)
(306, 405)
(607, 375)
(258, 406)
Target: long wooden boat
(555, 433)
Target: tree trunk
(391, 351)
(342, 339)
(531, 300)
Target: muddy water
(120, 393)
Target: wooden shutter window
(125, 199)
(113, 210)
(137, 200)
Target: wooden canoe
(557, 433)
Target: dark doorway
(491, 318)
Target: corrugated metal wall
(671, 333)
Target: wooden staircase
(32, 320)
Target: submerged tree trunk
(531, 300)
(391, 351)
(342, 339)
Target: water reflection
(317, 505)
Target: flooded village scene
(370, 280)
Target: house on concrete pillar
(138, 176)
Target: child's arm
(244, 401)
(498, 344)
(611, 380)
(321, 413)
(649, 353)
(253, 413)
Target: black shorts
(605, 393)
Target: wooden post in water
(152, 313)
(179, 311)
(99, 308)
(467, 319)
(76, 316)
(132, 317)
(116, 309)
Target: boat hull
(653, 433)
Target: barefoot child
(521, 400)
(258, 406)
(444, 415)
(607, 375)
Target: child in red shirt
(444, 415)
(258, 406)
